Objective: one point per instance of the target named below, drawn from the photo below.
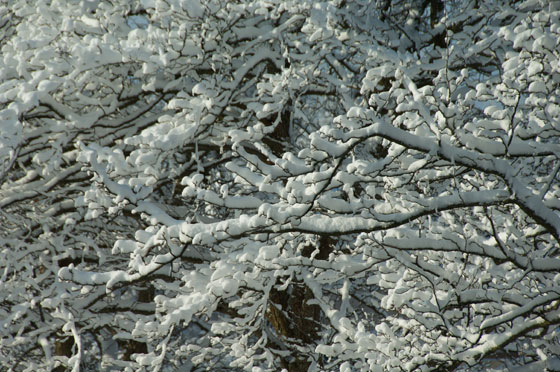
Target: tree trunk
(63, 347)
(131, 347)
(294, 320)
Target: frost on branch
(279, 185)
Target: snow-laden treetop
(279, 185)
